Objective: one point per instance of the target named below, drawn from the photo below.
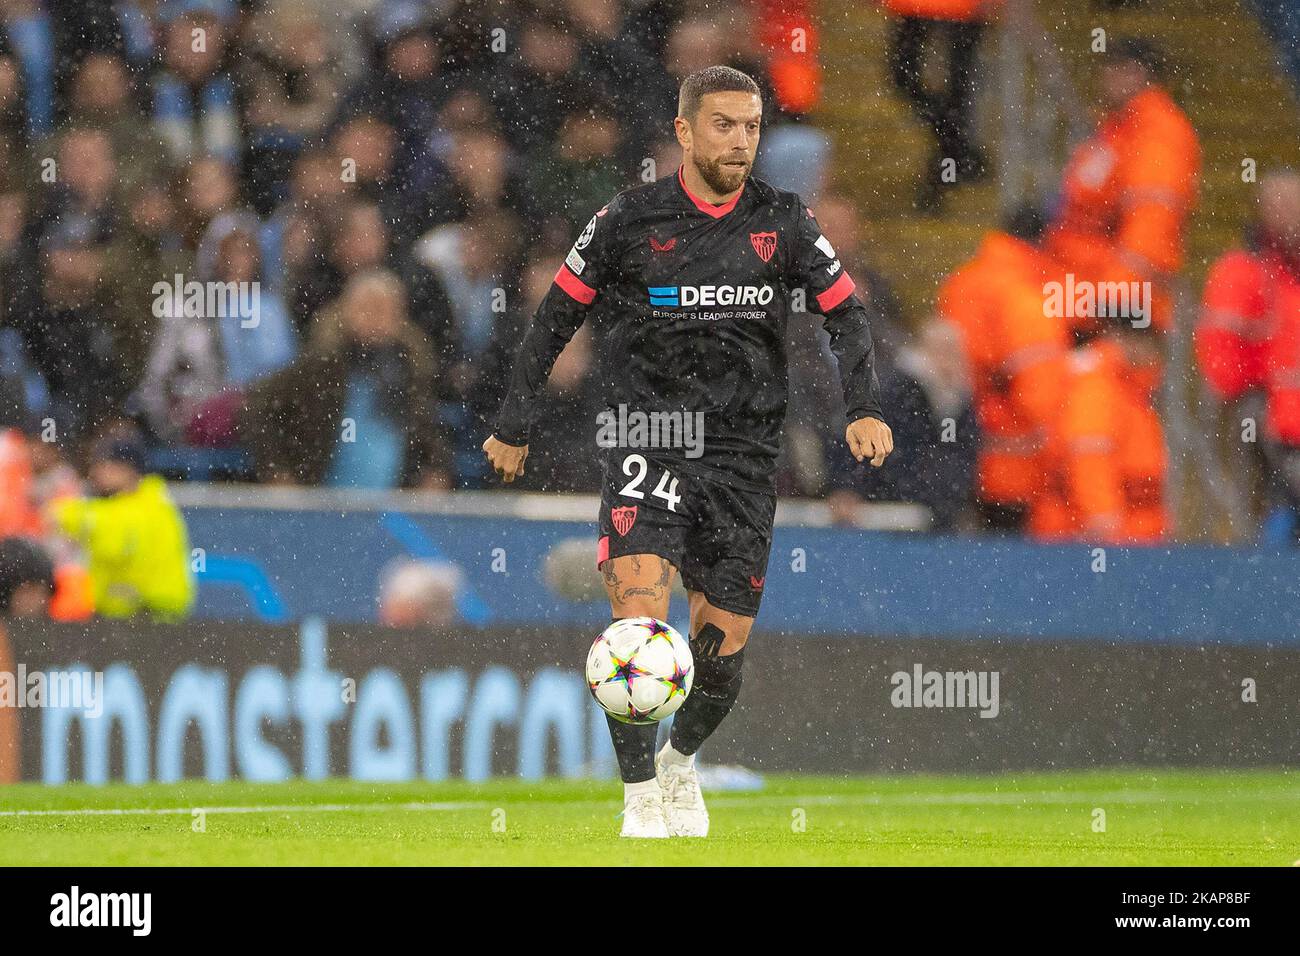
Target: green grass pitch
(1153, 817)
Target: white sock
(673, 756)
(631, 790)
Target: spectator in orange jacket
(947, 110)
(1236, 320)
(1275, 365)
(1239, 320)
(1282, 363)
(788, 34)
(1127, 192)
(1106, 482)
(1016, 355)
(796, 153)
(1237, 335)
(33, 474)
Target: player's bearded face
(724, 174)
(724, 139)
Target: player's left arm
(831, 292)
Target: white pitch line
(715, 799)
(991, 799)
(265, 808)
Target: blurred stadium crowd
(392, 184)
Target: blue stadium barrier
(286, 563)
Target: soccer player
(695, 276)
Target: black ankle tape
(707, 642)
(718, 680)
(712, 668)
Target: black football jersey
(693, 299)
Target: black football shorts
(717, 536)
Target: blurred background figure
(201, 363)
(195, 106)
(573, 176)
(370, 421)
(132, 533)
(75, 331)
(26, 579)
(570, 573)
(287, 75)
(935, 435)
(955, 28)
(101, 96)
(475, 310)
(33, 476)
(1128, 191)
(1107, 481)
(1016, 354)
(1246, 347)
(420, 594)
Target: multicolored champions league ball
(640, 670)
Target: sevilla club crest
(764, 244)
(623, 519)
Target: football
(640, 670)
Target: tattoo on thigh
(622, 591)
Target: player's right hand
(870, 438)
(506, 460)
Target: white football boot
(643, 816)
(683, 802)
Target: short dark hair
(712, 79)
(22, 562)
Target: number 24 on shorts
(636, 468)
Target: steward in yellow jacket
(133, 536)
